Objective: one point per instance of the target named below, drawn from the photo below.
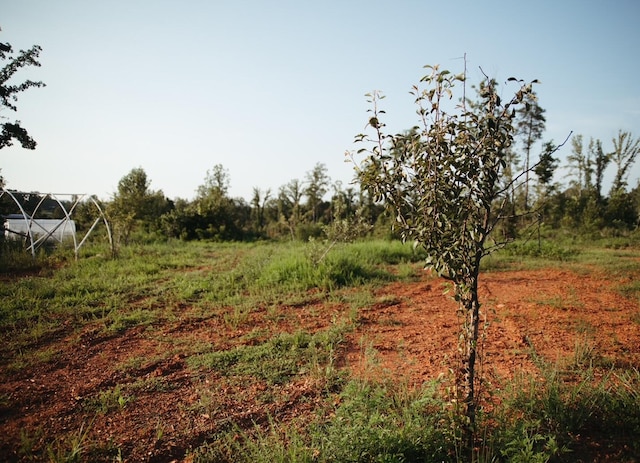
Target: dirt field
(553, 313)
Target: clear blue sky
(270, 88)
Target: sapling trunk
(467, 296)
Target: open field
(262, 352)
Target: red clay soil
(554, 314)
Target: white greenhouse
(17, 226)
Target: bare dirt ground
(167, 410)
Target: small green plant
(525, 444)
(28, 443)
(71, 448)
(159, 431)
(584, 352)
(237, 315)
(208, 403)
(148, 384)
(109, 400)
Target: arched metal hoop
(66, 224)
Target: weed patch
(388, 422)
(371, 422)
(275, 361)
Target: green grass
(531, 255)
(277, 360)
(606, 410)
(70, 449)
(109, 401)
(567, 301)
(371, 422)
(376, 421)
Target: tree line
(298, 210)
(316, 207)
